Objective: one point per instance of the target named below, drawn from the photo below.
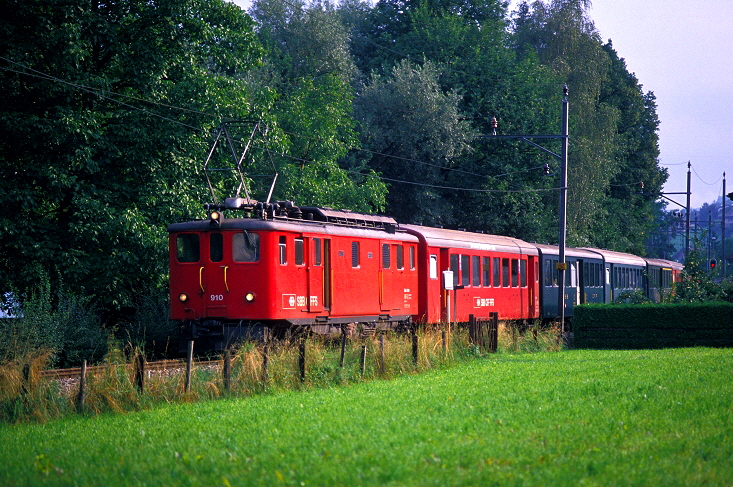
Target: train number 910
(217, 297)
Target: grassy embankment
(662, 417)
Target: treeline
(108, 110)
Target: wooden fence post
(444, 339)
(343, 345)
(139, 371)
(381, 352)
(414, 346)
(363, 360)
(228, 370)
(301, 359)
(189, 364)
(81, 398)
(472, 330)
(266, 365)
(493, 331)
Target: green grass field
(662, 417)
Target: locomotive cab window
(283, 247)
(385, 256)
(400, 251)
(246, 247)
(412, 258)
(187, 247)
(216, 247)
(317, 259)
(433, 266)
(299, 251)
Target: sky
(682, 51)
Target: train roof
(440, 237)
(665, 263)
(295, 226)
(614, 257)
(569, 251)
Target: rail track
(150, 368)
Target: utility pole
(711, 251)
(562, 265)
(722, 228)
(687, 226)
(563, 158)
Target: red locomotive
(283, 268)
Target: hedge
(653, 325)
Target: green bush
(654, 325)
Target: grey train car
(584, 279)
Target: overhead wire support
(563, 158)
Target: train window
(187, 247)
(487, 271)
(523, 273)
(515, 273)
(454, 266)
(317, 255)
(607, 272)
(433, 266)
(505, 272)
(385, 256)
(547, 271)
(586, 274)
(400, 250)
(476, 276)
(299, 251)
(555, 273)
(465, 270)
(283, 246)
(354, 254)
(246, 247)
(412, 258)
(497, 272)
(216, 247)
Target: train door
(532, 280)
(386, 281)
(327, 275)
(187, 274)
(583, 281)
(575, 288)
(215, 278)
(316, 274)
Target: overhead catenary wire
(109, 95)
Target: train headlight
(215, 219)
(183, 297)
(249, 297)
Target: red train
(283, 267)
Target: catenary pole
(562, 266)
(722, 232)
(687, 216)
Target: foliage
(652, 325)
(95, 159)
(66, 328)
(697, 284)
(652, 417)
